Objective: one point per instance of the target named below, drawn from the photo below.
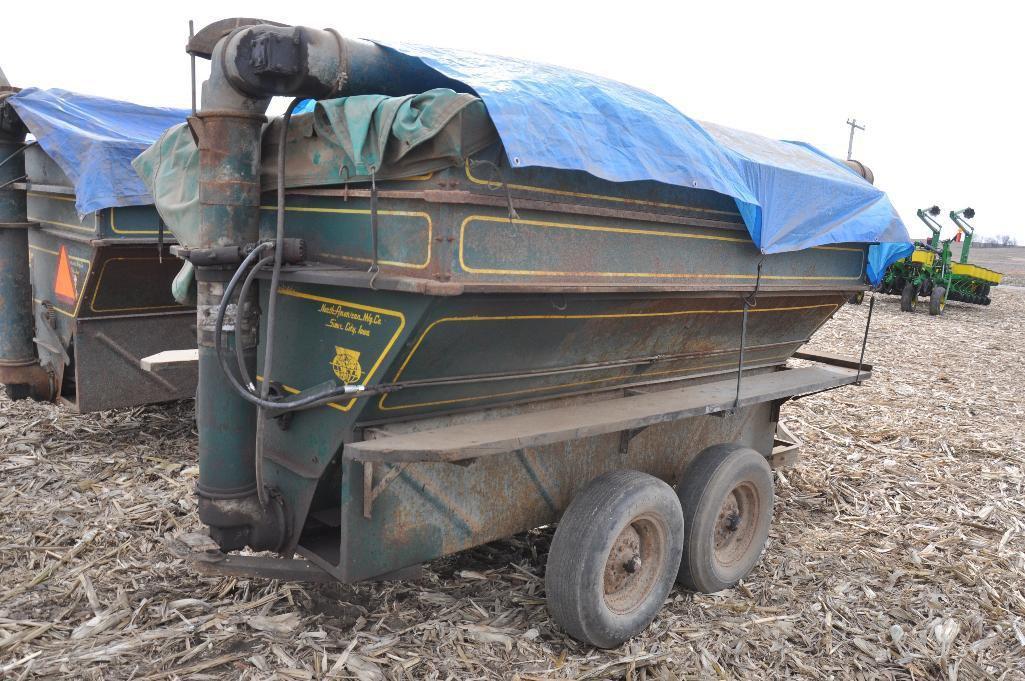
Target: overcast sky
(938, 84)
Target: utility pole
(853, 122)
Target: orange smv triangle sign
(64, 282)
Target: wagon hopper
(411, 341)
(86, 293)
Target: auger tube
(20, 371)
(253, 61)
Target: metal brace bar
(10, 182)
(786, 448)
(627, 436)
(375, 267)
(19, 150)
(864, 341)
(749, 302)
(215, 563)
(372, 491)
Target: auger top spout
(254, 60)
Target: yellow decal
(353, 321)
(346, 365)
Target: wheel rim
(737, 524)
(634, 564)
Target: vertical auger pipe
(252, 62)
(229, 196)
(20, 371)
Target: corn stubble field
(898, 549)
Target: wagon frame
(387, 455)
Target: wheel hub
(633, 565)
(736, 524)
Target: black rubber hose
(289, 404)
(272, 298)
(261, 401)
(279, 248)
(243, 293)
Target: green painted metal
(960, 218)
(20, 372)
(470, 291)
(572, 282)
(119, 307)
(920, 277)
(568, 229)
(229, 200)
(16, 346)
(362, 336)
(435, 509)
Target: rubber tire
(591, 524)
(703, 487)
(936, 300)
(908, 298)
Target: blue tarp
(791, 195)
(881, 256)
(94, 140)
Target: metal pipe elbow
(254, 63)
(254, 60)
(861, 169)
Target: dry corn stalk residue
(896, 552)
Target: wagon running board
(213, 562)
(506, 434)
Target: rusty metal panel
(106, 360)
(434, 509)
(536, 228)
(122, 310)
(580, 339)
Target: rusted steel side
(456, 229)
(434, 509)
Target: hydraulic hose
(243, 388)
(295, 403)
(279, 243)
(243, 293)
(272, 298)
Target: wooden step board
(169, 359)
(509, 433)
